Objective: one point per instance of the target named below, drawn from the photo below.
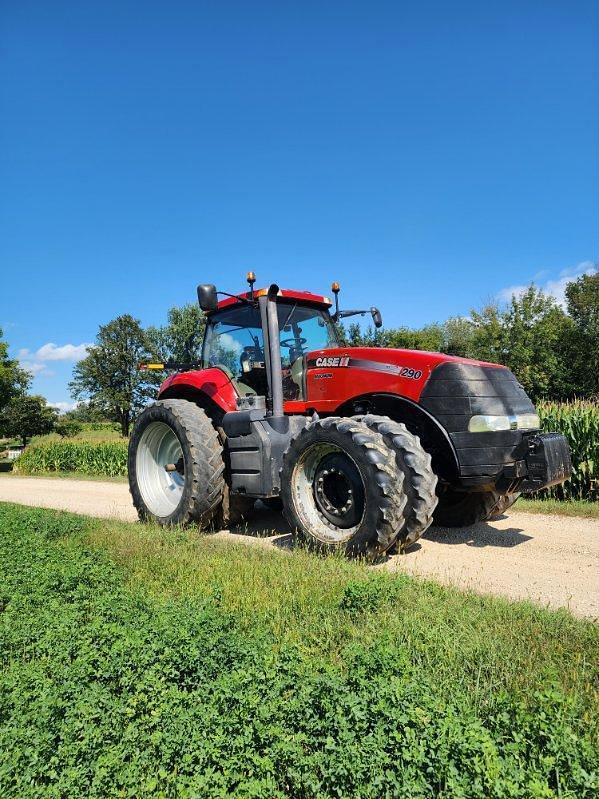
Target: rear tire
(178, 433)
(464, 508)
(341, 488)
(420, 481)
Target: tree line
(553, 351)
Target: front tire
(464, 508)
(420, 482)
(175, 463)
(341, 488)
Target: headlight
(489, 424)
(528, 421)
(494, 424)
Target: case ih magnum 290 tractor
(363, 447)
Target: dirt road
(552, 560)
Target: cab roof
(298, 296)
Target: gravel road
(551, 560)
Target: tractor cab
(235, 336)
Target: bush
(103, 459)
(579, 422)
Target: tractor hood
(451, 389)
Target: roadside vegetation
(95, 458)
(143, 662)
(558, 507)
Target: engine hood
(453, 389)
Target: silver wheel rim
(302, 489)
(161, 490)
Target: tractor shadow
(271, 526)
(480, 535)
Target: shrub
(104, 459)
(579, 422)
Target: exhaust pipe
(272, 346)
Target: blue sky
(429, 156)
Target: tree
(458, 335)
(13, 380)
(181, 339)
(67, 428)
(534, 331)
(25, 416)
(582, 296)
(84, 412)
(109, 376)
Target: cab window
(234, 342)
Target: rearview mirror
(207, 297)
(376, 317)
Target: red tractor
(363, 447)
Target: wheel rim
(329, 493)
(160, 467)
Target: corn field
(579, 422)
(104, 458)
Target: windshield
(234, 341)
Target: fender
(419, 421)
(212, 383)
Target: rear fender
(433, 436)
(211, 389)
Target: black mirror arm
(376, 315)
(343, 314)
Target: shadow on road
(271, 525)
(479, 535)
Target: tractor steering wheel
(293, 343)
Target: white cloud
(63, 407)
(35, 368)
(52, 352)
(557, 287)
(35, 362)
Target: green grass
(143, 662)
(571, 507)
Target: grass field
(143, 662)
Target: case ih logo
(328, 362)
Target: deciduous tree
(13, 379)
(26, 416)
(180, 340)
(109, 376)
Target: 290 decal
(413, 374)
